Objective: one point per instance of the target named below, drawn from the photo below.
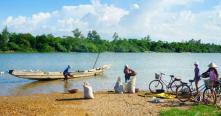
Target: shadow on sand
(71, 99)
(174, 103)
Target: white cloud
(156, 18)
(135, 6)
(27, 24)
(180, 2)
(161, 22)
(39, 18)
(61, 22)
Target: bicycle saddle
(177, 79)
(191, 81)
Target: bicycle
(216, 87)
(185, 92)
(159, 83)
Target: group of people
(128, 72)
(212, 73)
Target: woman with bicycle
(185, 92)
(212, 73)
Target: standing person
(212, 73)
(66, 72)
(196, 75)
(127, 73)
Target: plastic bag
(88, 92)
(131, 85)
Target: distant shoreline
(15, 52)
(94, 43)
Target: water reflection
(67, 86)
(50, 86)
(34, 87)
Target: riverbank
(104, 103)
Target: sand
(61, 104)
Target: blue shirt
(66, 71)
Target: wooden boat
(41, 75)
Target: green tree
(115, 36)
(4, 39)
(77, 33)
(93, 35)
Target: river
(145, 64)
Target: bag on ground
(131, 85)
(88, 92)
(118, 88)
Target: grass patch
(197, 110)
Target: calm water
(145, 64)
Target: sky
(166, 20)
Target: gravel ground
(104, 104)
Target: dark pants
(127, 78)
(66, 75)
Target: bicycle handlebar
(167, 75)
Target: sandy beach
(64, 104)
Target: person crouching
(66, 72)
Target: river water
(145, 64)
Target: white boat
(41, 75)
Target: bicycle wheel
(183, 93)
(155, 85)
(174, 86)
(209, 96)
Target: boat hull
(40, 75)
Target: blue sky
(29, 7)
(167, 20)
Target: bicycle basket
(157, 76)
(208, 83)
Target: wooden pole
(96, 60)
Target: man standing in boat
(66, 72)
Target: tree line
(26, 42)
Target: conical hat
(212, 65)
(126, 65)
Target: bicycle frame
(201, 87)
(167, 84)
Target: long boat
(41, 75)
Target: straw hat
(196, 63)
(212, 65)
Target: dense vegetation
(26, 42)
